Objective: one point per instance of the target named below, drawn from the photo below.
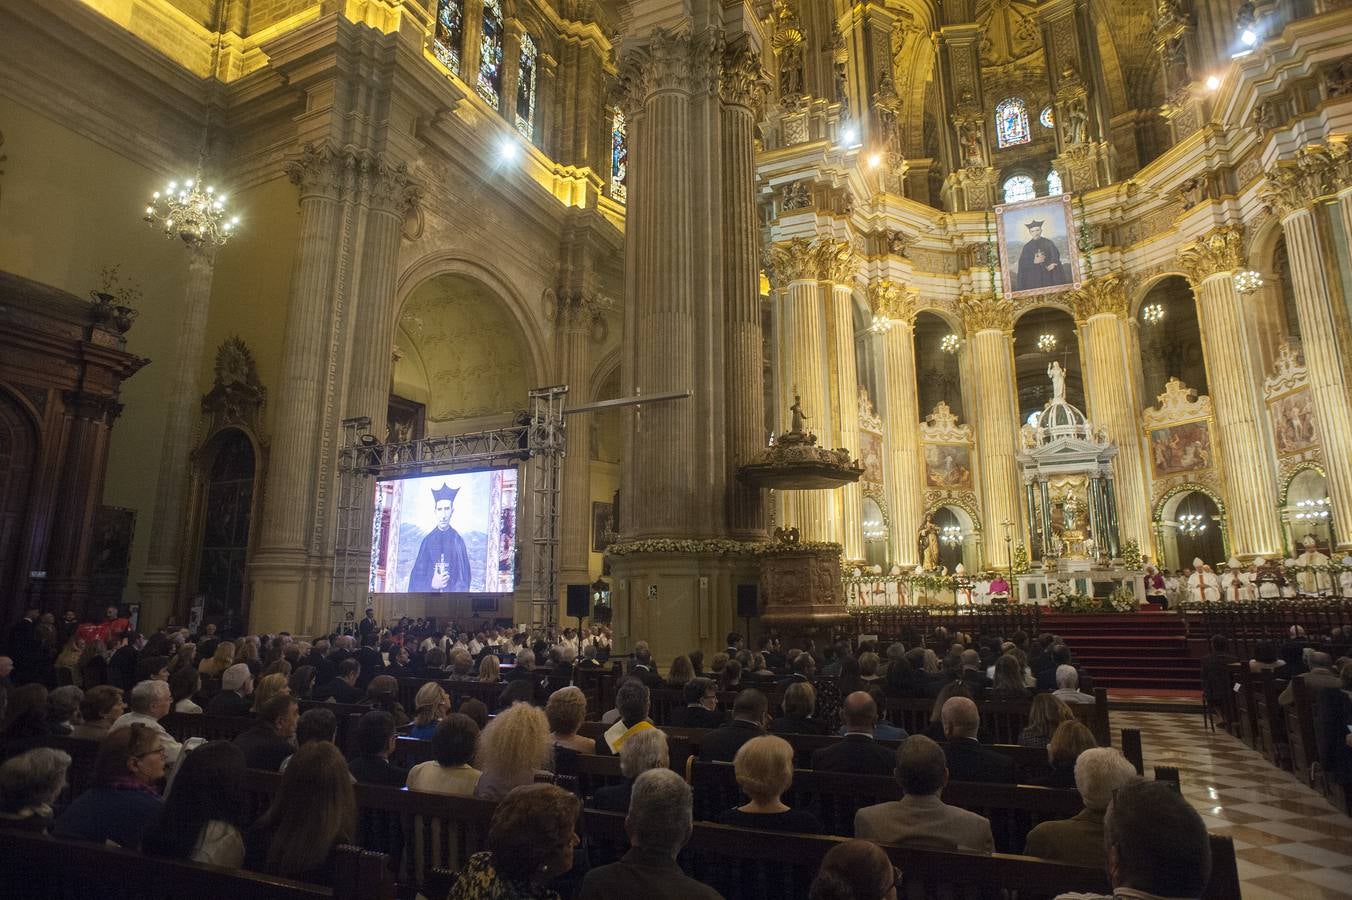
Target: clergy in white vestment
(1203, 585)
(1345, 578)
(1312, 582)
(1267, 589)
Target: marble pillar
(1105, 345)
(1293, 191)
(904, 469)
(836, 268)
(160, 584)
(989, 324)
(1236, 393)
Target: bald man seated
(920, 818)
(968, 760)
(857, 753)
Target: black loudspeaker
(577, 601)
(748, 600)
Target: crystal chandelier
(880, 325)
(1191, 524)
(1153, 313)
(950, 343)
(951, 535)
(874, 530)
(1312, 510)
(1046, 343)
(191, 211)
(1248, 281)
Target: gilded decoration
(887, 299)
(1290, 467)
(1288, 371)
(963, 500)
(1178, 431)
(941, 427)
(1104, 295)
(1178, 403)
(1219, 252)
(1315, 172)
(792, 260)
(836, 261)
(986, 312)
(1295, 427)
(1010, 31)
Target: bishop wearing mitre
(1203, 585)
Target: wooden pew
(1002, 720)
(33, 865)
(207, 727)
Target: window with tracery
(1054, 183)
(490, 54)
(1011, 122)
(1019, 187)
(450, 33)
(619, 156)
(525, 87)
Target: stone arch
(1167, 504)
(1143, 288)
(602, 372)
(1283, 494)
(962, 507)
(201, 514)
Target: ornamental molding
(888, 299)
(237, 394)
(1105, 295)
(579, 310)
(836, 261)
(941, 427)
(670, 61)
(1178, 403)
(351, 174)
(1288, 371)
(869, 420)
(986, 312)
(1317, 171)
(743, 80)
(792, 260)
(1219, 252)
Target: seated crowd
(182, 799)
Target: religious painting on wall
(1180, 448)
(1037, 246)
(948, 467)
(603, 525)
(871, 455)
(1293, 424)
(110, 561)
(405, 421)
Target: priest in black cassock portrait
(1040, 263)
(442, 565)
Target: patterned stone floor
(1289, 840)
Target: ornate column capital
(1219, 252)
(792, 260)
(986, 312)
(578, 310)
(742, 80)
(1104, 295)
(1316, 171)
(888, 299)
(835, 261)
(671, 61)
(349, 173)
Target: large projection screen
(449, 533)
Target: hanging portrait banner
(1037, 247)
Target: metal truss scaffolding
(539, 439)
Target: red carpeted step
(1146, 650)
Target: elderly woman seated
(764, 768)
(29, 784)
(530, 842)
(100, 708)
(645, 750)
(124, 800)
(1098, 774)
(566, 709)
(1068, 742)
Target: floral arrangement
(721, 547)
(1063, 600)
(1131, 555)
(1020, 561)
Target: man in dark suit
(268, 742)
(374, 740)
(734, 645)
(370, 660)
(748, 721)
(803, 667)
(857, 753)
(967, 759)
(658, 825)
(342, 689)
(701, 706)
(233, 697)
(644, 670)
(973, 673)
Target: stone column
(1292, 191)
(159, 584)
(836, 262)
(803, 365)
(1105, 346)
(1236, 393)
(280, 565)
(577, 312)
(989, 324)
(742, 87)
(901, 419)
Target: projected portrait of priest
(442, 564)
(1040, 262)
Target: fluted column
(1105, 344)
(904, 472)
(577, 312)
(159, 585)
(836, 264)
(742, 87)
(1236, 393)
(803, 361)
(989, 323)
(1291, 191)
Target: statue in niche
(1077, 121)
(971, 143)
(791, 71)
(1176, 61)
(798, 417)
(1058, 377)
(842, 91)
(928, 546)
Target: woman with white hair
(1079, 839)
(764, 768)
(645, 750)
(29, 784)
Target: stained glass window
(1045, 117)
(619, 156)
(525, 88)
(1011, 122)
(1019, 187)
(490, 54)
(450, 33)
(1054, 183)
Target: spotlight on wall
(1249, 37)
(1212, 82)
(875, 160)
(849, 135)
(509, 149)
